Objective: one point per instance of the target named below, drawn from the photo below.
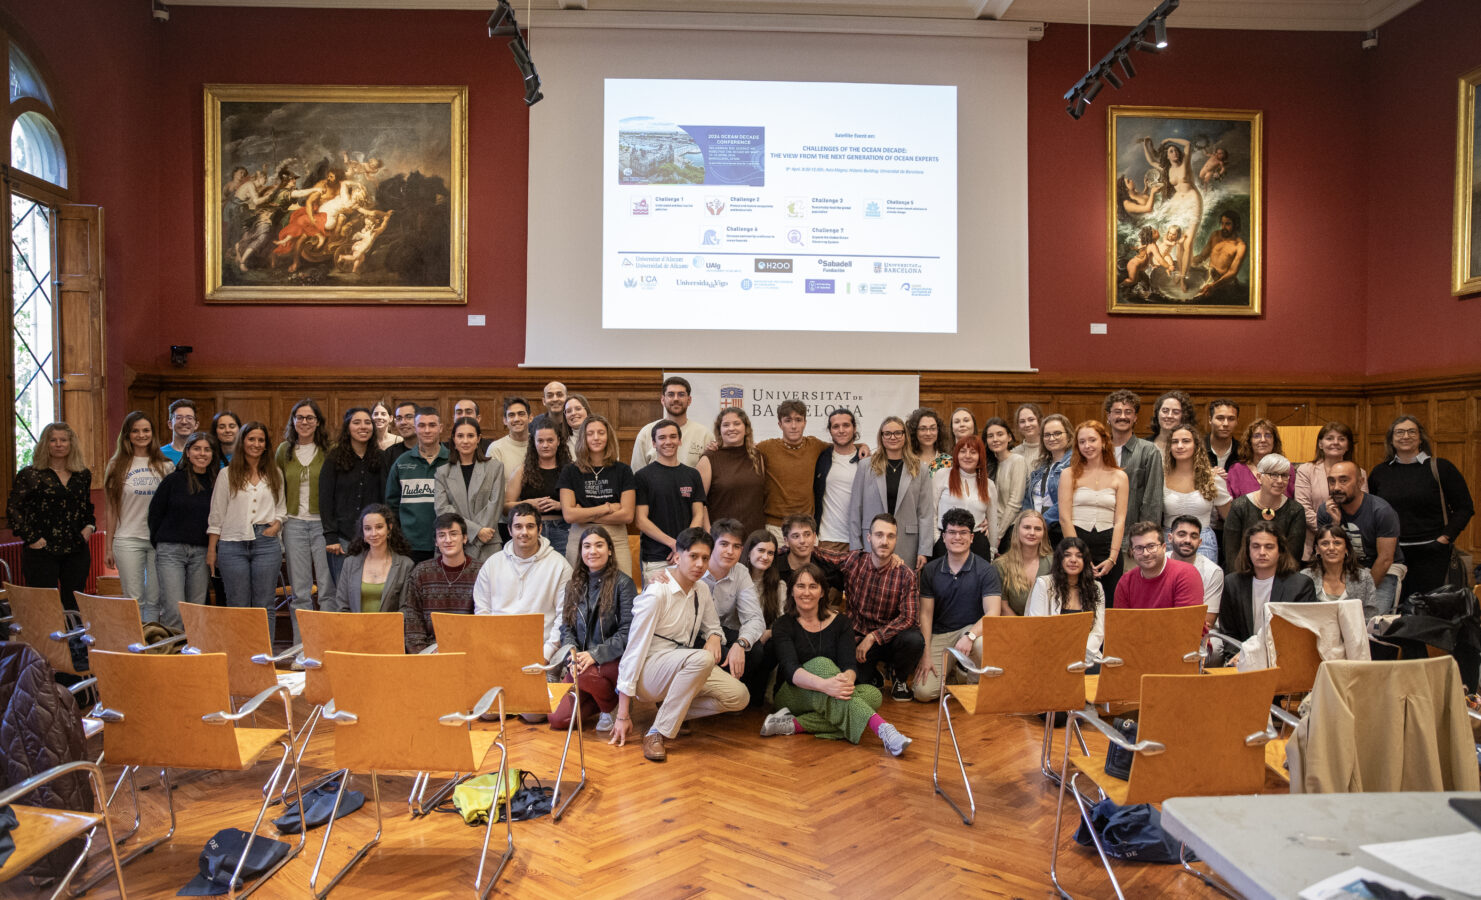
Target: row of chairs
(1196, 735)
(390, 710)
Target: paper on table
(1448, 860)
(1349, 886)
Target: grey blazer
(1143, 466)
(480, 502)
(915, 510)
(346, 596)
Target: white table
(1272, 846)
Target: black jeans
(760, 663)
(1427, 565)
(65, 571)
(902, 653)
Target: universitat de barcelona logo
(732, 396)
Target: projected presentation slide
(787, 206)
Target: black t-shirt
(604, 484)
(669, 492)
(549, 485)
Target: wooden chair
(392, 712)
(240, 632)
(111, 586)
(508, 651)
(1196, 737)
(39, 620)
(1145, 642)
(40, 830)
(1029, 665)
(174, 711)
(324, 631)
(113, 624)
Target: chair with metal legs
(509, 651)
(40, 830)
(113, 624)
(324, 631)
(240, 632)
(1029, 665)
(175, 711)
(1145, 642)
(1196, 737)
(393, 712)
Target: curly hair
(396, 540)
(1203, 473)
(1184, 401)
(1246, 447)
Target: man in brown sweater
(791, 461)
(442, 584)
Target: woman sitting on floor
(817, 671)
(597, 611)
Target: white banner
(869, 397)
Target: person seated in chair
(1264, 572)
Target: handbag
(1118, 758)
(1460, 569)
(1447, 602)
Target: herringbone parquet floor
(730, 814)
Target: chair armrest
(82, 685)
(557, 659)
(310, 663)
(263, 659)
(338, 716)
(1198, 655)
(1088, 714)
(1109, 662)
(1473, 714)
(484, 704)
(145, 648)
(222, 717)
(1261, 738)
(102, 712)
(14, 793)
(1224, 637)
(1284, 715)
(961, 659)
(430, 648)
(1080, 666)
(79, 632)
(11, 625)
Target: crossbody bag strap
(1444, 507)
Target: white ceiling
(1287, 15)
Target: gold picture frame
(1465, 270)
(1184, 211)
(336, 194)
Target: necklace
(445, 568)
(814, 643)
(1268, 512)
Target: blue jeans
(136, 572)
(250, 571)
(182, 579)
(557, 531)
(303, 543)
(1386, 595)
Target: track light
(1124, 59)
(502, 23)
(1102, 72)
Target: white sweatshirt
(508, 585)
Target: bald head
(554, 396)
(1344, 485)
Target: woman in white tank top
(1092, 500)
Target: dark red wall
(1306, 83)
(1358, 166)
(1413, 321)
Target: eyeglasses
(1053, 434)
(892, 434)
(957, 532)
(1144, 549)
(1406, 432)
(1281, 475)
(306, 419)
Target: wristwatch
(745, 644)
(971, 637)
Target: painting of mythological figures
(1466, 269)
(336, 194)
(1183, 233)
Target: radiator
(10, 554)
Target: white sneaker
(893, 740)
(779, 722)
(604, 722)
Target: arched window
(35, 189)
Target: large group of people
(840, 571)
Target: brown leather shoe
(653, 747)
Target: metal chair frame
(343, 718)
(228, 718)
(95, 775)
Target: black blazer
(820, 482)
(1236, 610)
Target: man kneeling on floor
(660, 664)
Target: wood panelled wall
(1449, 405)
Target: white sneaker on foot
(604, 722)
(893, 740)
(779, 722)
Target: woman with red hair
(965, 484)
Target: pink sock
(797, 728)
(874, 722)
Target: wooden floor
(730, 814)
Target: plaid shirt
(882, 600)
